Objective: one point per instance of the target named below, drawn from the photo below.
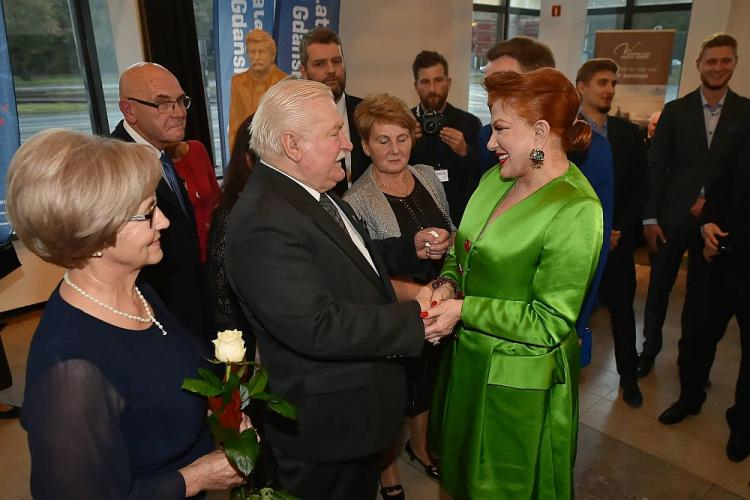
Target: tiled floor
(623, 453)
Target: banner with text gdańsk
(233, 19)
(294, 18)
(10, 137)
(645, 61)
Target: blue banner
(233, 19)
(294, 18)
(10, 137)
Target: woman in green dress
(505, 417)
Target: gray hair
(283, 108)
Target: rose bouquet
(228, 397)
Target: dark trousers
(617, 291)
(664, 267)
(352, 480)
(726, 294)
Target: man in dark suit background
(726, 234)
(596, 81)
(319, 301)
(322, 60)
(696, 138)
(154, 108)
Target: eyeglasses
(149, 216)
(165, 107)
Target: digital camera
(432, 122)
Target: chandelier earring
(537, 158)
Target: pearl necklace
(150, 315)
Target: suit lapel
(726, 121)
(306, 204)
(374, 254)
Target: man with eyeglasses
(154, 109)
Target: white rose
(229, 346)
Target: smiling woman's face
(512, 140)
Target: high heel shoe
(385, 492)
(430, 469)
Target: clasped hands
(440, 311)
(432, 243)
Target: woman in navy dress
(104, 411)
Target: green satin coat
(505, 413)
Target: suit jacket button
(467, 245)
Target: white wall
(565, 33)
(126, 32)
(710, 16)
(381, 38)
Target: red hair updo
(542, 94)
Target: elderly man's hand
(432, 243)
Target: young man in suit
(154, 108)
(322, 60)
(449, 147)
(696, 138)
(318, 298)
(596, 81)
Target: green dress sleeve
(567, 261)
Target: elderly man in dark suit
(154, 108)
(322, 60)
(319, 301)
(596, 81)
(696, 138)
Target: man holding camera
(445, 134)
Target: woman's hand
(445, 316)
(211, 472)
(432, 243)
(442, 293)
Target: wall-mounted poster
(645, 61)
(233, 20)
(10, 137)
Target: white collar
(314, 193)
(138, 138)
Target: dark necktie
(330, 207)
(171, 176)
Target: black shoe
(14, 412)
(738, 447)
(678, 411)
(431, 469)
(631, 393)
(645, 363)
(395, 492)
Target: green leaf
(282, 495)
(243, 451)
(244, 396)
(210, 377)
(284, 408)
(258, 381)
(241, 371)
(201, 387)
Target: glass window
(679, 21)
(204, 24)
(660, 2)
(522, 24)
(526, 4)
(48, 79)
(489, 2)
(594, 4)
(486, 30)
(594, 23)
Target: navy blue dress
(103, 408)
